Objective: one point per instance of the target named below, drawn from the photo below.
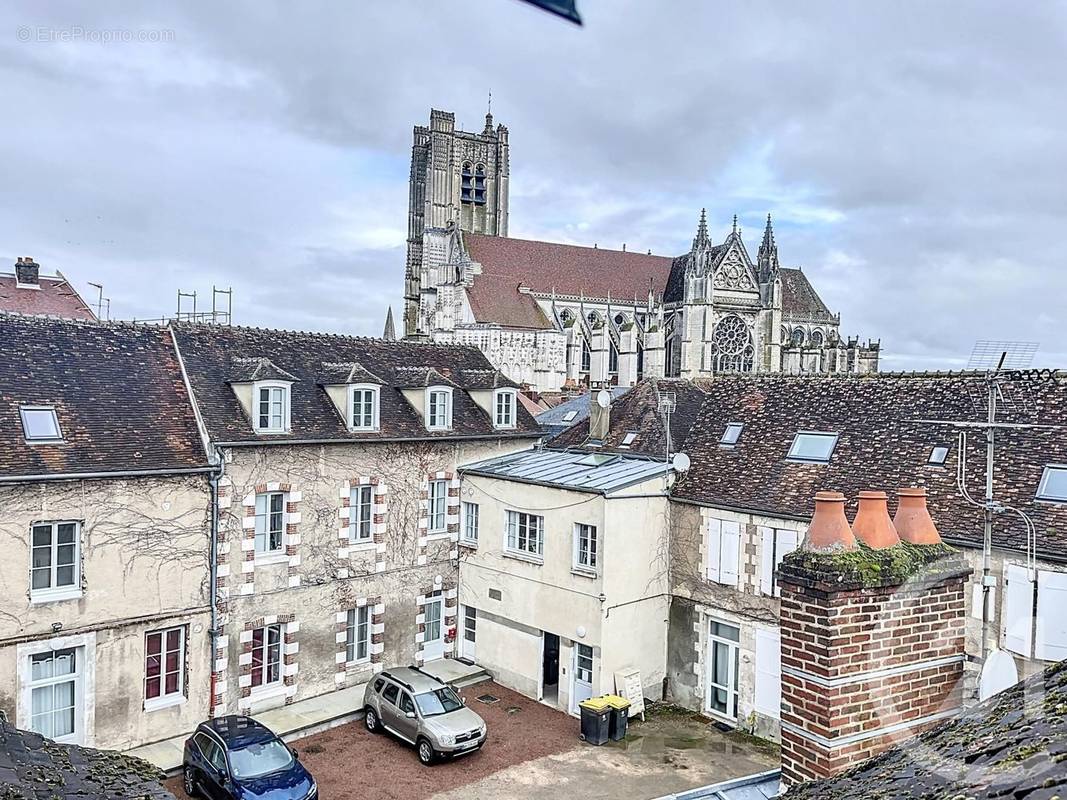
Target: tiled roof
(799, 298)
(247, 370)
(209, 351)
(1013, 745)
(56, 297)
(557, 419)
(497, 300)
(35, 768)
(117, 390)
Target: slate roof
(1013, 745)
(56, 297)
(799, 298)
(554, 420)
(209, 351)
(883, 444)
(35, 768)
(117, 390)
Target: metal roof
(583, 471)
(760, 786)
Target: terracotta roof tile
(55, 298)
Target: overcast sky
(913, 154)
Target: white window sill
(584, 572)
(55, 595)
(361, 545)
(265, 559)
(355, 666)
(375, 429)
(504, 427)
(471, 543)
(271, 431)
(437, 534)
(270, 690)
(530, 558)
(159, 703)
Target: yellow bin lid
(596, 704)
(615, 701)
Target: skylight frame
(938, 455)
(799, 436)
(1042, 487)
(629, 438)
(569, 416)
(38, 409)
(737, 428)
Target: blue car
(236, 758)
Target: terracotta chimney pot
(872, 524)
(912, 520)
(829, 528)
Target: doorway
(723, 666)
(433, 640)
(549, 668)
(583, 675)
(470, 633)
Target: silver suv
(424, 712)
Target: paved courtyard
(533, 752)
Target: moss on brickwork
(865, 566)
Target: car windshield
(260, 758)
(439, 701)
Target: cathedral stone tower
(457, 178)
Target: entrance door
(724, 657)
(55, 695)
(549, 667)
(470, 633)
(582, 686)
(433, 639)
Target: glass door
(723, 666)
(433, 640)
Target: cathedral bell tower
(456, 177)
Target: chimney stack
(27, 273)
(872, 638)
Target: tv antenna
(667, 403)
(100, 301)
(221, 311)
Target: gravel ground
(349, 762)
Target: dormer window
(813, 447)
(271, 406)
(40, 424)
(438, 408)
(504, 408)
(363, 408)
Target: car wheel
(426, 753)
(189, 783)
(370, 719)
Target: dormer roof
(340, 373)
(420, 377)
(250, 370)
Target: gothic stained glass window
(731, 346)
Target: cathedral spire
(702, 239)
(735, 225)
(389, 334)
(767, 258)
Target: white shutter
(1018, 610)
(766, 578)
(768, 672)
(788, 541)
(729, 566)
(1051, 643)
(714, 548)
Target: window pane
(42, 557)
(813, 446)
(152, 687)
(66, 532)
(1054, 483)
(41, 666)
(40, 423)
(42, 535)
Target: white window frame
(941, 450)
(52, 592)
(85, 709)
(437, 506)
(77, 695)
(287, 391)
(585, 532)
(165, 699)
(512, 523)
(733, 649)
(433, 420)
(265, 516)
(357, 633)
(805, 460)
(509, 419)
(40, 439)
(735, 428)
(265, 647)
(1043, 486)
(724, 551)
(776, 543)
(356, 497)
(375, 405)
(471, 511)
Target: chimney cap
(829, 529)
(912, 520)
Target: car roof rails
(426, 674)
(397, 680)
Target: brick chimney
(872, 648)
(27, 272)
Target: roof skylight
(812, 447)
(40, 424)
(938, 456)
(569, 416)
(1053, 484)
(731, 434)
(628, 439)
(596, 459)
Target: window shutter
(1051, 644)
(766, 578)
(714, 548)
(788, 541)
(731, 553)
(768, 698)
(1018, 610)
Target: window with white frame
(267, 656)
(525, 533)
(271, 407)
(54, 560)
(470, 522)
(731, 434)
(361, 514)
(1053, 486)
(438, 408)
(357, 635)
(776, 543)
(55, 693)
(724, 551)
(504, 408)
(164, 666)
(812, 447)
(40, 424)
(270, 523)
(586, 547)
(363, 408)
(437, 505)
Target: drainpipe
(213, 568)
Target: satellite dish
(680, 462)
(603, 398)
(998, 674)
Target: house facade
(339, 506)
(106, 492)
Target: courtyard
(533, 753)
